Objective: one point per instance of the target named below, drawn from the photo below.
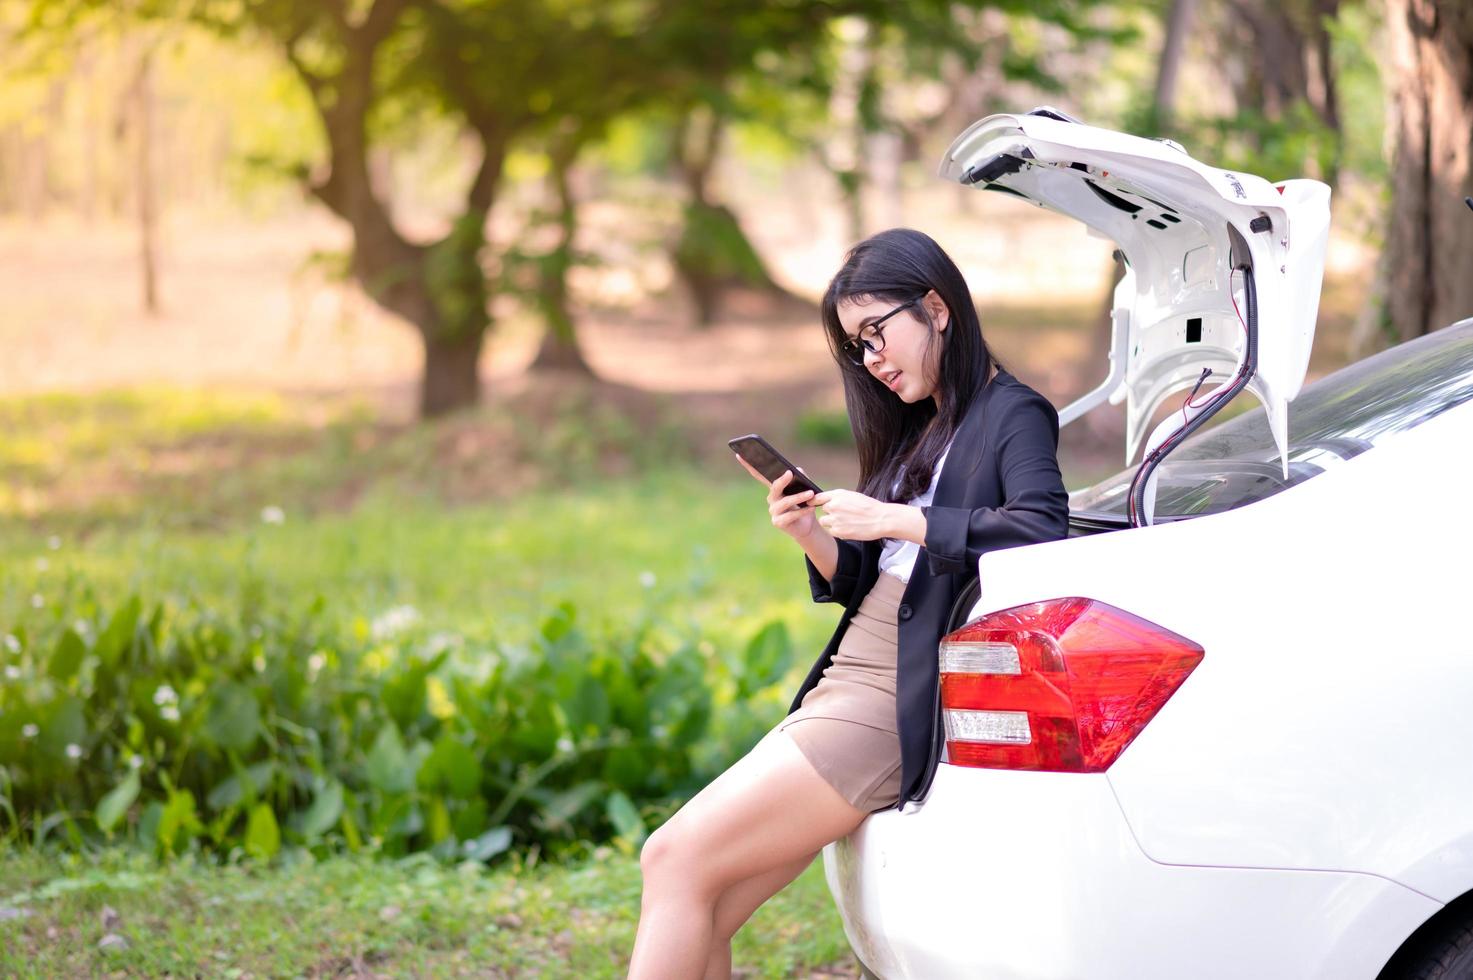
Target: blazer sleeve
(846, 575)
(1035, 505)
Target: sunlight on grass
(411, 917)
(678, 547)
(71, 425)
(97, 454)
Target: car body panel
(1183, 227)
(1327, 725)
(1036, 875)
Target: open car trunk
(1222, 279)
(1188, 234)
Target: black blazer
(1000, 488)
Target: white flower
(135, 761)
(647, 579)
(30, 731)
(11, 643)
(442, 640)
(315, 663)
(165, 695)
(42, 564)
(12, 672)
(259, 663)
(37, 601)
(169, 712)
(273, 515)
(73, 751)
(565, 744)
(53, 542)
(392, 621)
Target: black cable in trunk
(1246, 370)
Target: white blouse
(899, 557)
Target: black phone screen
(770, 463)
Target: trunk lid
(1182, 228)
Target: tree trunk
(855, 84)
(10, 155)
(91, 164)
(1178, 25)
(37, 181)
(1431, 231)
(1286, 55)
(973, 88)
(696, 259)
(559, 350)
(1323, 93)
(885, 150)
(147, 205)
(441, 287)
(713, 255)
(451, 377)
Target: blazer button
(905, 612)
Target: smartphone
(760, 455)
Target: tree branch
(310, 78)
(482, 191)
(338, 10)
(380, 21)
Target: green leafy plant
(183, 729)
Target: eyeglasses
(871, 337)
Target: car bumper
(1036, 875)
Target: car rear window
(1337, 417)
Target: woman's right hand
(799, 523)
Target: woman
(956, 458)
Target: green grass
(481, 523)
(358, 916)
(195, 459)
(680, 547)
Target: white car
(1225, 729)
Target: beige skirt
(846, 724)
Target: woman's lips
(894, 381)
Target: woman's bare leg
(736, 905)
(763, 814)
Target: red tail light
(1063, 685)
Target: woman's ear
(935, 308)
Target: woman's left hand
(855, 517)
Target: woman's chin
(909, 396)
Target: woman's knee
(656, 852)
(677, 857)
(670, 853)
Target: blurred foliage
(1293, 144)
(712, 242)
(182, 727)
(824, 428)
(1357, 35)
(1293, 141)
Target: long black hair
(899, 265)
